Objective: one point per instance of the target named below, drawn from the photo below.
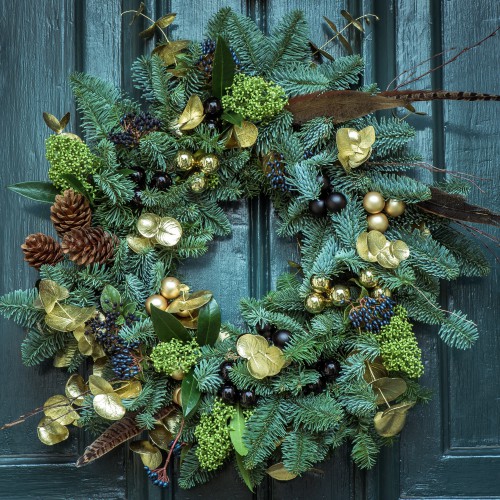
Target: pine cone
(70, 211)
(40, 249)
(89, 245)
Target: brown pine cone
(40, 249)
(89, 245)
(70, 211)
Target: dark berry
(160, 181)
(325, 183)
(212, 107)
(317, 208)
(265, 329)
(136, 201)
(138, 177)
(330, 369)
(248, 398)
(214, 124)
(224, 369)
(335, 202)
(281, 338)
(315, 387)
(276, 172)
(228, 394)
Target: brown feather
(115, 435)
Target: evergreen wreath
(331, 355)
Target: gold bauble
(198, 183)
(394, 208)
(148, 224)
(315, 303)
(209, 164)
(170, 287)
(378, 222)
(373, 202)
(176, 396)
(184, 160)
(320, 284)
(340, 294)
(367, 278)
(169, 232)
(379, 291)
(156, 300)
(178, 375)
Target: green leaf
(244, 472)
(232, 117)
(190, 394)
(77, 185)
(223, 69)
(39, 191)
(110, 296)
(236, 431)
(167, 326)
(208, 324)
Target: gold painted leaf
(249, 344)
(130, 389)
(169, 232)
(63, 358)
(391, 421)
(109, 406)
(148, 224)
(246, 135)
(67, 318)
(99, 366)
(161, 436)
(278, 472)
(64, 121)
(50, 432)
(376, 242)
(374, 370)
(59, 409)
(193, 302)
(148, 32)
(150, 455)
(387, 260)
(173, 421)
(50, 293)
(138, 244)
(99, 385)
(192, 115)
(275, 360)
(169, 50)
(165, 20)
(191, 323)
(52, 122)
(75, 389)
(399, 249)
(362, 248)
(391, 388)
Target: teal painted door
(450, 448)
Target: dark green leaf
(244, 472)
(110, 296)
(167, 326)
(208, 324)
(233, 118)
(190, 394)
(77, 185)
(39, 191)
(223, 69)
(236, 431)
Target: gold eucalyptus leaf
(99, 385)
(388, 389)
(354, 147)
(139, 244)
(258, 366)
(161, 436)
(66, 318)
(75, 389)
(376, 242)
(99, 366)
(130, 389)
(248, 345)
(85, 344)
(173, 422)
(192, 115)
(50, 293)
(169, 50)
(399, 249)
(50, 432)
(275, 360)
(97, 351)
(150, 455)
(109, 406)
(59, 409)
(63, 358)
(387, 260)
(374, 370)
(278, 472)
(391, 421)
(166, 20)
(169, 232)
(362, 248)
(52, 122)
(246, 135)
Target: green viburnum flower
(398, 345)
(69, 156)
(254, 98)
(175, 355)
(212, 434)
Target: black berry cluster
(228, 392)
(134, 127)
(329, 371)
(329, 200)
(212, 108)
(372, 313)
(206, 61)
(280, 338)
(160, 181)
(275, 172)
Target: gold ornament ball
(176, 396)
(158, 301)
(378, 222)
(184, 160)
(170, 287)
(394, 208)
(198, 183)
(367, 278)
(320, 284)
(373, 202)
(315, 303)
(177, 375)
(209, 164)
(340, 294)
(378, 292)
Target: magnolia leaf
(246, 135)
(376, 242)
(109, 406)
(167, 326)
(50, 432)
(66, 318)
(150, 455)
(76, 389)
(399, 249)
(223, 68)
(191, 323)
(63, 358)
(110, 298)
(77, 185)
(245, 474)
(192, 115)
(161, 436)
(236, 431)
(99, 385)
(59, 409)
(49, 293)
(209, 323)
(249, 344)
(190, 394)
(232, 117)
(388, 389)
(130, 389)
(278, 471)
(391, 421)
(169, 50)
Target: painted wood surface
(449, 448)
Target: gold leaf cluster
(373, 246)
(263, 360)
(243, 136)
(165, 231)
(354, 147)
(192, 115)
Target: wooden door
(450, 448)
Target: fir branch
(301, 451)
(458, 331)
(316, 413)
(39, 346)
(18, 306)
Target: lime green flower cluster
(213, 181)
(212, 434)
(398, 345)
(175, 355)
(68, 155)
(254, 98)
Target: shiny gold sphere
(178, 375)
(176, 396)
(378, 222)
(184, 160)
(394, 208)
(379, 291)
(209, 164)
(340, 294)
(321, 284)
(156, 300)
(315, 303)
(170, 287)
(373, 202)
(198, 183)
(367, 278)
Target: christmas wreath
(330, 355)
